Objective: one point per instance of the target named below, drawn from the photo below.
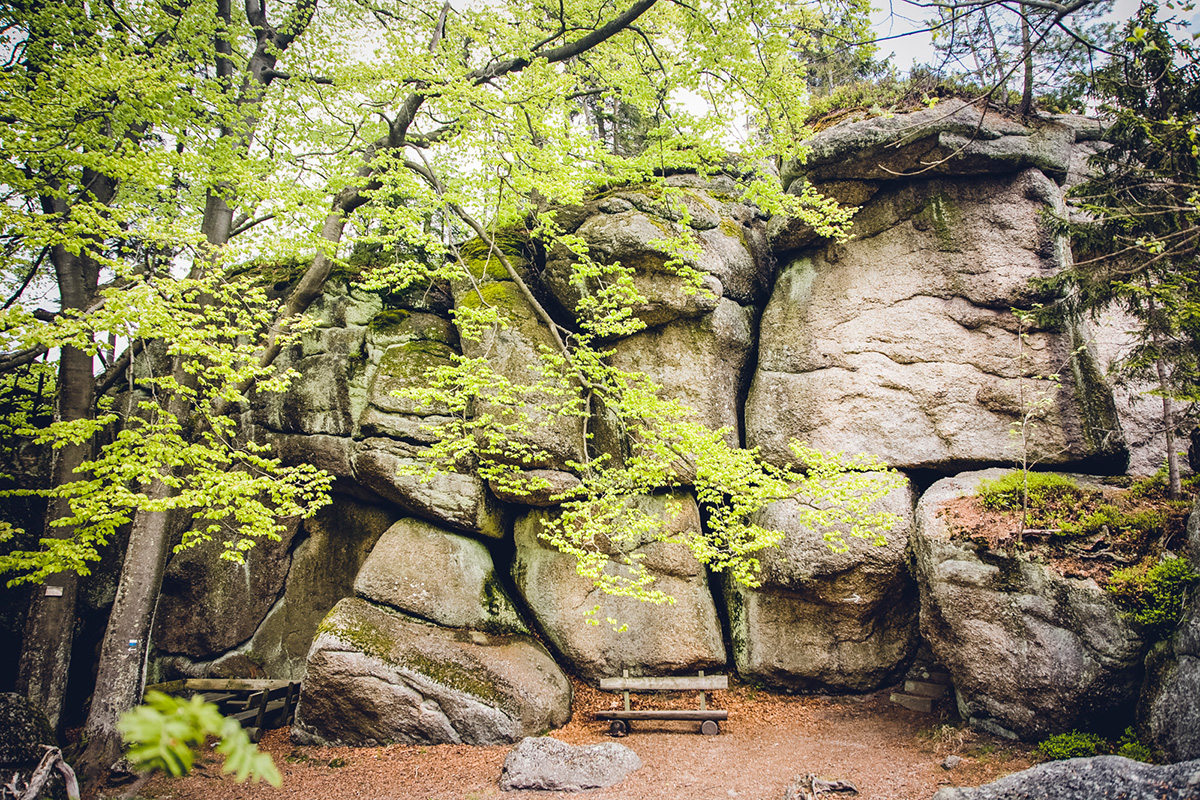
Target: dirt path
(887, 752)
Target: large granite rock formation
(377, 676)
(824, 619)
(1030, 653)
(900, 342)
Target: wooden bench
(256, 704)
(710, 718)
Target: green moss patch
(1121, 538)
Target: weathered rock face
(458, 499)
(901, 342)
(951, 138)
(1030, 653)
(235, 597)
(460, 591)
(329, 550)
(703, 362)
(823, 619)
(377, 676)
(401, 347)
(631, 226)
(1140, 413)
(513, 352)
(1169, 709)
(327, 398)
(1089, 778)
(660, 639)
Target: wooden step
(913, 702)
(251, 714)
(924, 689)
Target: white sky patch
(904, 33)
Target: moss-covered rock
(376, 676)
(1031, 653)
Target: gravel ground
(887, 752)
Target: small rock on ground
(1088, 779)
(950, 762)
(546, 763)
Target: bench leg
(710, 727)
(618, 727)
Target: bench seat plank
(681, 683)
(664, 714)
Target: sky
(899, 19)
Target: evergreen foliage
(1136, 226)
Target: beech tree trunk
(125, 647)
(50, 624)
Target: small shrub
(1154, 596)
(1004, 493)
(1105, 514)
(1129, 747)
(1139, 524)
(1154, 487)
(1072, 745)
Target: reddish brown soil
(887, 752)
(1080, 556)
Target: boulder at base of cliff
(1089, 779)
(659, 639)
(209, 605)
(1169, 710)
(823, 619)
(376, 676)
(23, 732)
(1031, 653)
